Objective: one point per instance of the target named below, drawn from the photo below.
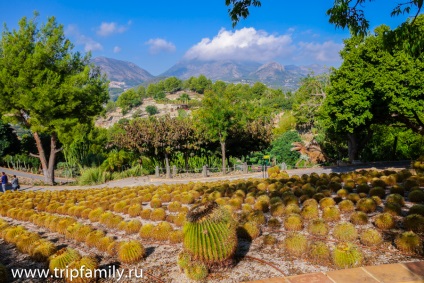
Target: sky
(157, 34)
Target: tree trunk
(47, 167)
(167, 167)
(353, 149)
(223, 157)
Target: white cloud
(89, 43)
(326, 52)
(249, 44)
(107, 29)
(117, 49)
(244, 44)
(157, 45)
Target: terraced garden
(217, 232)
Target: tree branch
(34, 155)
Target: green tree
(281, 148)
(344, 13)
(219, 113)
(46, 87)
(202, 84)
(172, 84)
(128, 100)
(376, 85)
(308, 99)
(152, 110)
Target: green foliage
(152, 110)
(45, 87)
(286, 123)
(172, 84)
(128, 100)
(281, 148)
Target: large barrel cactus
(210, 235)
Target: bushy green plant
(93, 176)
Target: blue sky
(157, 34)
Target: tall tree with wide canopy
(46, 87)
(220, 112)
(378, 83)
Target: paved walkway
(411, 272)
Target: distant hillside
(122, 74)
(272, 74)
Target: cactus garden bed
(239, 230)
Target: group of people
(5, 181)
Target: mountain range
(124, 75)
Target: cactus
(155, 203)
(104, 243)
(416, 196)
(377, 200)
(326, 202)
(161, 231)
(146, 230)
(345, 232)
(318, 227)
(366, 205)
(257, 216)
(42, 250)
(145, 213)
(95, 214)
(347, 255)
(176, 236)
(415, 209)
(135, 210)
(395, 198)
(62, 258)
(393, 209)
(292, 208)
(342, 193)
(309, 212)
(378, 191)
(174, 206)
(210, 234)
(353, 197)
(183, 260)
(359, 218)
(331, 213)
(249, 231)
(86, 267)
(130, 252)
(26, 242)
(133, 226)
(196, 271)
(409, 242)
(371, 237)
(384, 221)
(295, 244)
(319, 252)
(269, 240)
(94, 237)
(346, 205)
(414, 222)
(293, 222)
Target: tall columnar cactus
(210, 234)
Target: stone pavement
(411, 272)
